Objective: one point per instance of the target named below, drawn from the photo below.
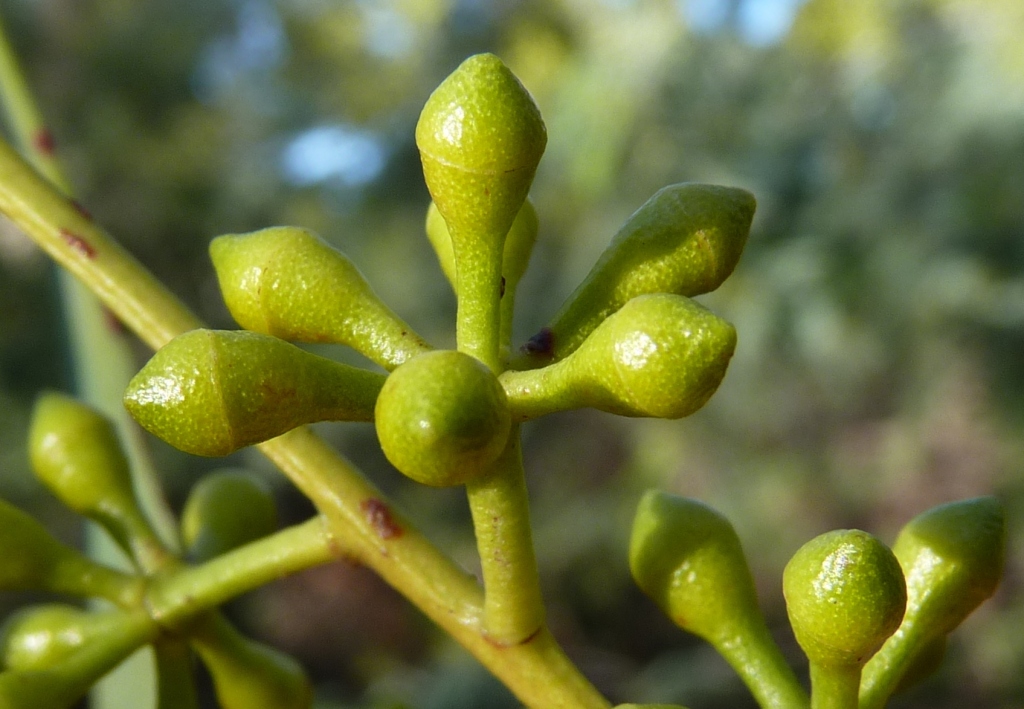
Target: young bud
(953, 558)
(33, 560)
(688, 559)
(226, 509)
(76, 454)
(61, 684)
(289, 283)
(211, 392)
(845, 594)
(442, 418)
(248, 674)
(659, 355)
(39, 637)
(480, 137)
(685, 240)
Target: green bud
(953, 558)
(38, 637)
(75, 452)
(845, 594)
(289, 283)
(480, 138)
(685, 240)
(688, 559)
(442, 418)
(34, 560)
(61, 684)
(211, 392)
(248, 674)
(226, 509)
(659, 355)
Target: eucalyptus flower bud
(39, 637)
(442, 418)
(75, 452)
(248, 674)
(34, 560)
(845, 594)
(211, 392)
(480, 138)
(953, 558)
(289, 283)
(685, 240)
(659, 355)
(226, 509)
(688, 559)
(61, 684)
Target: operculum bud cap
(442, 418)
(845, 594)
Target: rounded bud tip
(845, 594)
(442, 418)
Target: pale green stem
(513, 607)
(176, 688)
(103, 358)
(538, 672)
(82, 577)
(174, 598)
(883, 672)
(478, 320)
(759, 662)
(834, 687)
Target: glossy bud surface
(211, 392)
(845, 595)
(685, 240)
(442, 418)
(38, 637)
(289, 283)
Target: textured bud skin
(289, 283)
(211, 392)
(688, 559)
(226, 509)
(685, 240)
(480, 137)
(442, 418)
(845, 594)
(518, 245)
(952, 556)
(38, 637)
(659, 355)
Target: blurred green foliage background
(880, 303)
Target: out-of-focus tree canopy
(879, 305)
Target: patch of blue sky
(760, 23)
(257, 46)
(388, 33)
(335, 154)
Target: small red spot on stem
(43, 142)
(543, 343)
(378, 514)
(113, 322)
(78, 243)
(81, 210)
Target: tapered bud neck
(659, 355)
(685, 240)
(289, 283)
(75, 452)
(953, 558)
(211, 392)
(226, 509)
(442, 419)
